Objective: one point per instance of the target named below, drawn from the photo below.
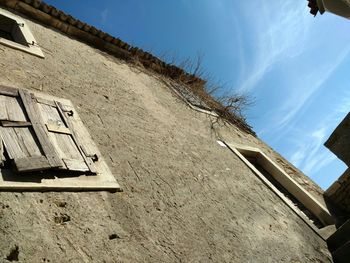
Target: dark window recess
(10, 30)
(285, 192)
(5, 34)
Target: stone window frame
(32, 46)
(37, 176)
(297, 191)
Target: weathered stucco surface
(185, 198)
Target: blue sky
(295, 66)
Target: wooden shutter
(80, 135)
(63, 136)
(18, 134)
(38, 135)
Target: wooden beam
(8, 91)
(76, 165)
(57, 128)
(33, 113)
(2, 157)
(46, 102)
(30, 164)
(15, 123)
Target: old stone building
(338, 194)
(111, 157)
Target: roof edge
(53, 17)
(68, 25)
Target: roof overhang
(337, 7)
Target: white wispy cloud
(280, 31)
(312, 83)
(311, 155)
(104, 15)
(344, 106)
(280, 37)
(287, 40)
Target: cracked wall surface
(185, 198)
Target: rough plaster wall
(185, 199)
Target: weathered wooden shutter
(58, 123)
(38, 134)
(18, 134)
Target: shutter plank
(20, 142)
(30, 164)
(8, 91)
(27, 140)
(76, 165)
(15, 123)
(2, 156)
(46, 102)
(53, 127)
(3, 111)
(12, 145)
(34, 117)
(14, 110)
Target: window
(301, 202)
(15, 33)
(44, 144)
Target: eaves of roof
(48, 15)
(53, 17)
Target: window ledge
(286, 181)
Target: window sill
(36, 51)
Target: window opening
(6, 34)
(297, 198)
(285, 192)
(10, 30)
(15, 33)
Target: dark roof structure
(313, 7)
